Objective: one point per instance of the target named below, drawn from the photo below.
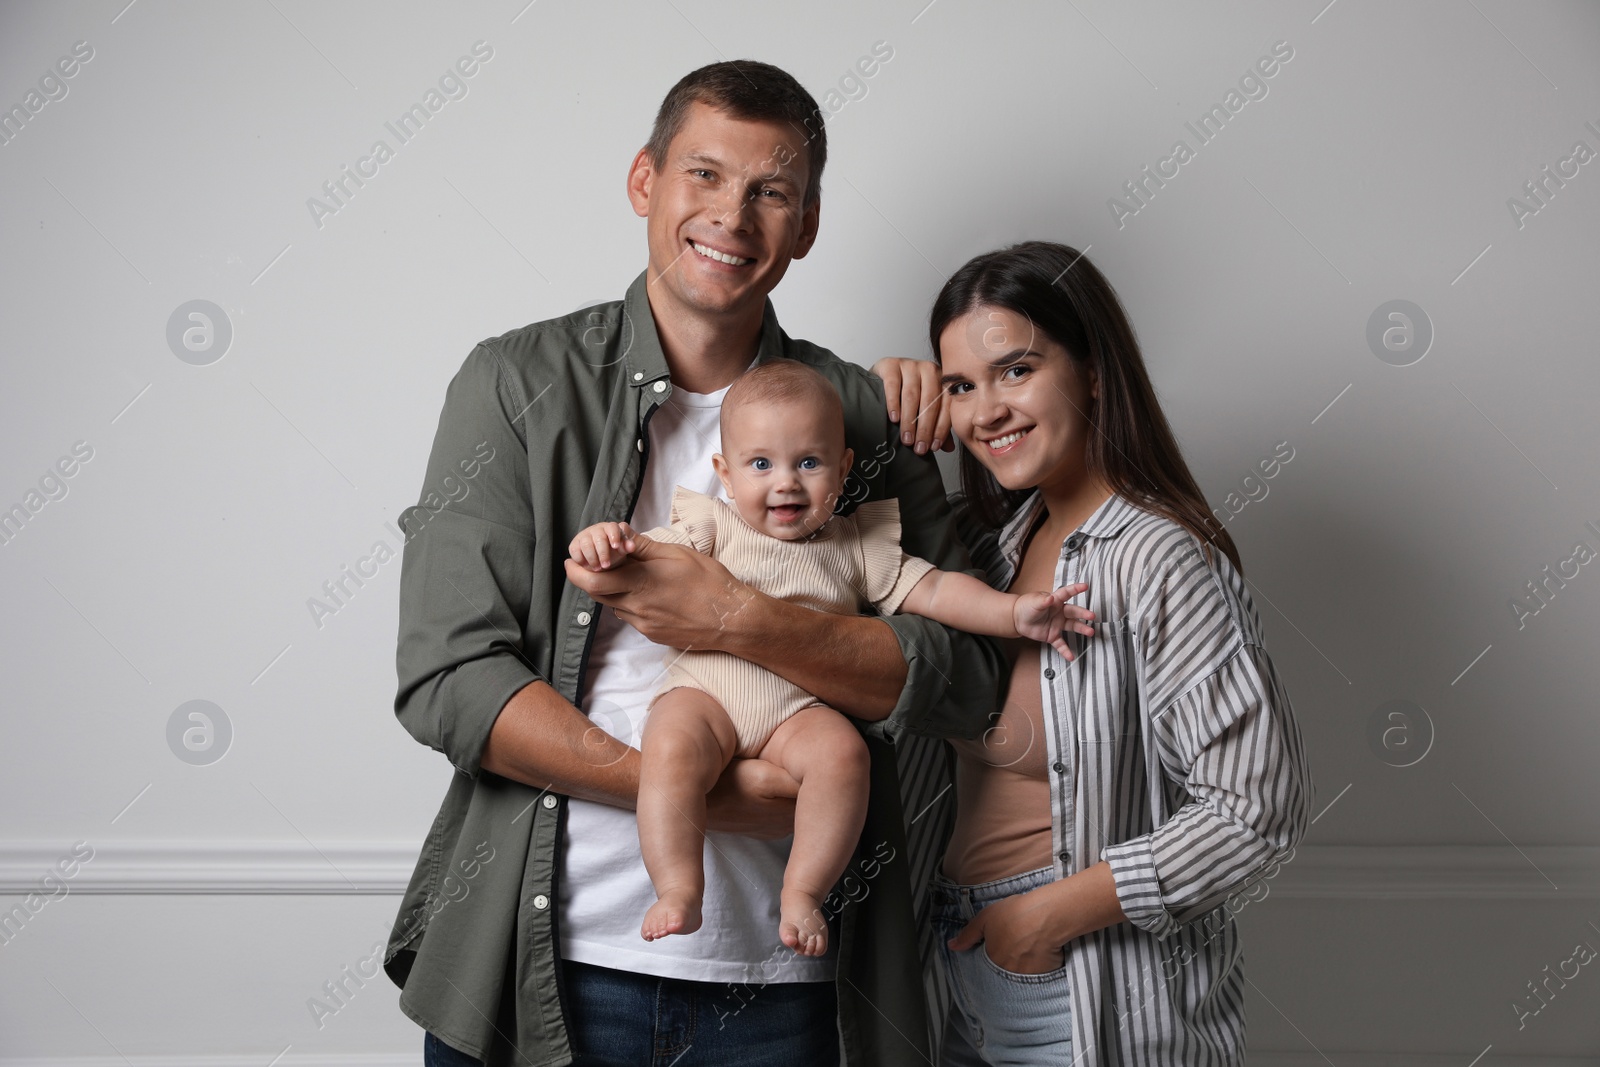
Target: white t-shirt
(605, 889)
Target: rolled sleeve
(466, 572)
(1232, 741)
(954, 679)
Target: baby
(784, 463)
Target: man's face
(724, 210)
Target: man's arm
(467, 686)
(954, 680)
(900, 672)
(540, 739)
(467, 573)
(681, 598)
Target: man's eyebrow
(783, 173)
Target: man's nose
(733, 207)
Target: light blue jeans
(998, 1018)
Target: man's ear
(640, 176)
(810, 219)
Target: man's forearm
(852, 663)
(540, 739)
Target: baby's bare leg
(827, 756)
(688, 740)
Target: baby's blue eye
(810, 463)
(761, 464)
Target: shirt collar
(1107, 521)
(642, 354)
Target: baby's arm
(597, 546)
(962, 601)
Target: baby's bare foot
(802, 925)
(673, 913)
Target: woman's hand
(1045, 617)
(917, 402)
(1020, 933)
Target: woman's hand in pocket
(1020, 932)
(917, 402)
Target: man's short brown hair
(755, 92)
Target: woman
(1109, 819)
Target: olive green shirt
(543, 432)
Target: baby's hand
(598, 546)
(1047, 617)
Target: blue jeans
(997, 1017)
(621, 1019)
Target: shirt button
(639, 444)
(583, 618)
(1062, 856)
(638, 374)
(1075, 542)
(549, 801)
(1058, 767)
(541, 902)
(1049, 672)
(660, 387)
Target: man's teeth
(1009, 439)
(720, 257)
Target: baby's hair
(783, 381)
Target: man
(518, 938)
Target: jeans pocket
(1021, 979)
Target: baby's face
(784, 465)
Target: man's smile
(718, 256)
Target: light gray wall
(1385, 556)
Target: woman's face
(1017, 400)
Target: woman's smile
(1000, 446)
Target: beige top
(853, 560)
(1002, 822)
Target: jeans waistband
(946, 892)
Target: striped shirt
(1173, 754)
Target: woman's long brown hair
(1132, 447)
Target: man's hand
(754, 798)
(917, 402)
(1046, 617)
(670, 593)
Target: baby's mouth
(788, 512)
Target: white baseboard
(216, 867)
(1436, 872)
(1371, 872)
